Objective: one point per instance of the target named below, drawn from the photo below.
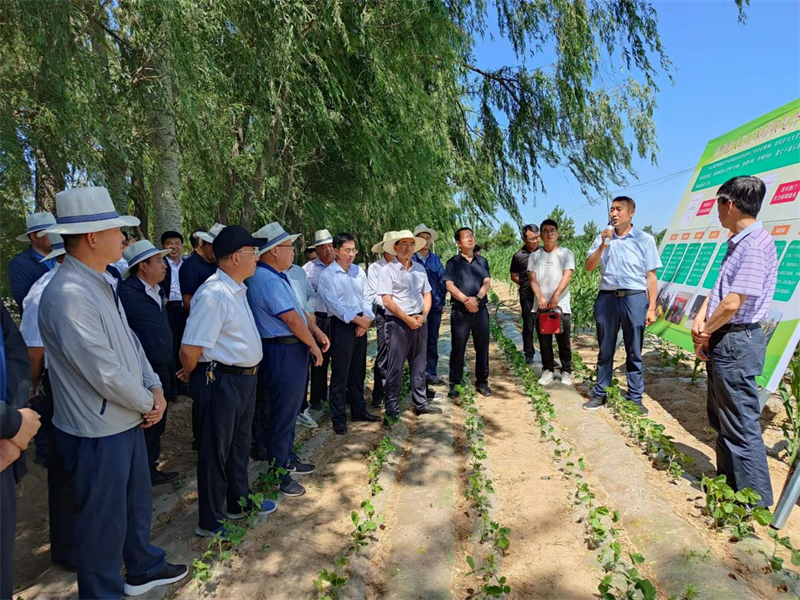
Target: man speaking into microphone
(628, 260)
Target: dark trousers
(379, 369)
(114, 500)
(319, 375)
(348, 370)
(528, 324)
(225, 411)
(462, 323)
(61, 502)
(8, 531)
(737, 358)
(405, 344)
(564, 346)
(432, 360)
(259, 437)
(44, 407)
(286, 366)
(152, 435)
(176, 315)
(611, 312)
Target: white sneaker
(305, 419)
(546, 378)
(566, 378)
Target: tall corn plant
(790, 397)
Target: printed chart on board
(695, 243)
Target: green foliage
(506, 237)
(776, 562)
(790, 398)
(590, 231)
(734, 509)
(658, 235)
(566, 225)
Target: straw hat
(208, 236)
(86, 210)
(141, 250)
(322, 237)
(378, 248)
(56, 246)
(275, 234)
(403, 234)
(422, 228)
(36, 222)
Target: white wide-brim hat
(211, 234)
(87, 210)
(56, 247)
(422, 228)
(403, 234)
(35, 223)
(275, 234)
(322, 237)
(141, 250)
(378, 248)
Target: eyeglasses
(352, 251)
(286, 246)
(253, 252)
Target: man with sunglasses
(341, 288)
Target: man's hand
(471, 304)
(316, 355)
(414, 322)
(183, 375)
(9, 452)
(360, 330)
(553, 301)
(701, 351)
(27, 429)
(159, 406)
(699, 335)
(541, 303)
(606, 234)
(651, 317)
(419, 319)
(322, 340)
(363, 321)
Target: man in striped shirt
(727, 334)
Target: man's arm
(541, 301)
(190, 356)
(36, 356)
(187, 301)
(298, 327)
(427, 302)
(484, 291)
(729, 306)
(515, 277)
(566, 277)
(597, 249)
(652, 294)
(392, 306)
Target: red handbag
(550, 321)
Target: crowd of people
(113, 329)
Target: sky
(725, 75)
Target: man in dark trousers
(341, 287)
(144, 301)
(176, 313)
(104, 394)
(406, 294)
(519, 275)
(17, 427)
(289, 340)
(468, 281)
(435, 270)
(27, 266)
(373, 276)
(220, 353)
(199, 265)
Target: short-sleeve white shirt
(406, 286)
(221, 322)
(549, 268)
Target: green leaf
(636, 558)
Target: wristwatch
(424, 318)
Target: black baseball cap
(170, 234)
(232, 239)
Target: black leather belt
(378, 310)
(391, 317)
(238, 370)
(737, 327)
(321, 315)
(623, 293)
(175, 302)
(282, 340)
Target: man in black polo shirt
(468, 281)
(200, 264)
(519, 275)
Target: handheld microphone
(609, 228)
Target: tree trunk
(47, 183)
(139, 198)
(266, 160)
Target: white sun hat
(403, 234)
(56, 246)
(141, 250)
(208, 236)
(35, 223)
(322, 237)
(422, 228)
(86, 210)
(378, 248)
(275, 234)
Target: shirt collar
(86, 271)
(38, 256)
(147, 286)
(632, 233)
(172, 262)
(232, 285)
(272, 269)
(744, 233)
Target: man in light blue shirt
(628, 260)
(341, 288)
(287, 339)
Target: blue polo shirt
(270, 295)
(626, 261)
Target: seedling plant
(733, 509)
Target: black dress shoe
(159, 477)
(340, 429)
(484, 389)
(430, 394)
(316, 406)
(428, 410)
(258, 453)
(367, 417)
(376, 404)
(453, 393)
(390, 420)
(435, 381)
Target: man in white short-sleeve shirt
(549, 273)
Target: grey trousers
(404, 344)
(737, 358)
